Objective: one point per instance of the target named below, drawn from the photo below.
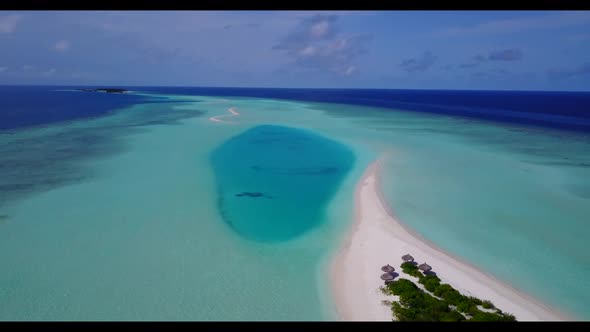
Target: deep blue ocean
(22, 106)
(560, 110)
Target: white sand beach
(233, 112)
(377, 238)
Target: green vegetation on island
(411, 269)
(107, 90)
(440, 302)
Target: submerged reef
(252, 194)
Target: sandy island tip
(377, 239)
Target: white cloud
(316, 44)
(350, 70)
(320, 29)
(62, 46)
(49, 72)
(515, 25)
(27, 67)
(2, 69)
(8, 23)
(309, 13)
(309, 50)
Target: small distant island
(107, 90)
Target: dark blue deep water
(22, 106)
(558, 110)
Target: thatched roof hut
(386, 276)
(425, 267)
(387, 268)
(408, 258)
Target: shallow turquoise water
(274, 181)
(511, 200)
(135, 230)
(139, 236)
(511, 212)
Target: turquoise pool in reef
(274, 182)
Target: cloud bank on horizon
(536, 50)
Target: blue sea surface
(46, 132)
(552, 109)
(32, 105)
(23, 106)
(137, 207)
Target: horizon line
(274, 88)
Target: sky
(486, 50)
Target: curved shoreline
(377, 238)
(233, 112)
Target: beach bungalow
(408, 258)
(386, 277)
(387, 268)
(425, 267)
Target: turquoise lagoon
(274, 181)
(153, 227)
